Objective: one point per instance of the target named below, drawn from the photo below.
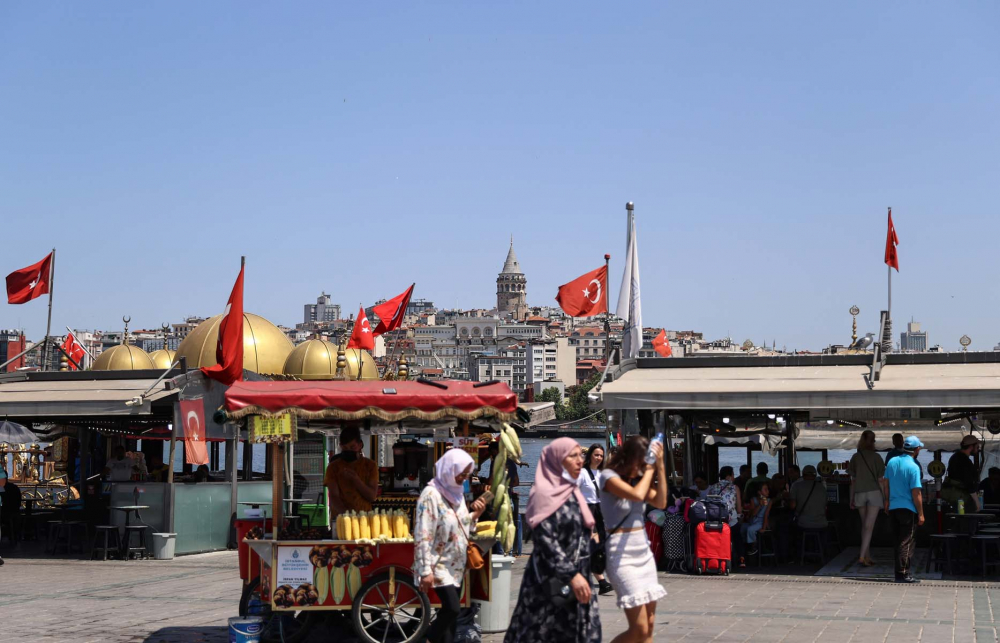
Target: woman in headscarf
(562, 528)
(441, 537)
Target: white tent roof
(803, 386)
(67, 398)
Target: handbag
(474, 557)
(599, 552)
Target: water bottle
(650, 456)
(961, 506)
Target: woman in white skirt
(631, 568)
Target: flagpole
(607, 309)
(48, 325)
(77, 338)
(361, 351)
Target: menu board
(269, 430)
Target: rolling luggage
(712, 548)
(654, 533)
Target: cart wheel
(289, 627)
(248, 591)
(376, 622)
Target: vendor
(512, 478)
(157, 470)
(963, 476)
(119, 468)
(351, 478)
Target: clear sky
(356, 147)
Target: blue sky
(356, 147)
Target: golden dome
(123, 357)
(317, 360)
(163, 358)
(265, 348)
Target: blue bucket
(245, 630)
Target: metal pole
(607, 309)
(48, 325)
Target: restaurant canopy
(388, 400)
(829, 385)
(40, 397)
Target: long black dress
(557, 539)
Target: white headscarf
(451, 464)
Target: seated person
(759, 507)
(990, 487)
(201, 473)
(749, 490)
(157, 471)
(808, 497)
(700, 485)
(119, 468)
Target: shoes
(604, 587)
(743, 562)
(907, 579)
(1, 562)
(752, 552)
(864, 562)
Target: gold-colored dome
(265, 348)
(163, 358)
(123, 357)
(317, 360)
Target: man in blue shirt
(905, 505)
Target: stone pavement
(54, 600)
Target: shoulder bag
(473, 555)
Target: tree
(577, 406)
(552, 394)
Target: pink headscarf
(551, 489)
(451, 464)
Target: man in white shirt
(118, 468)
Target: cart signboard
(468, 444)
(293, 566)
(271, 430)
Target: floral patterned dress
(441, 537)
(558, 541)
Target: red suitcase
(655, 535)
(712, 548)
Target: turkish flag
(662, 345)
(391, 313)
(362, 336)
(72, 348)
(27, 283)
(193, 421)
(585, 296)
(229, 350)
(891, 241)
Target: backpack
(695, 512)
(716, 510)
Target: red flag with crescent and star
(229, 350)
(585, 296)
(74, 350)
(193, 421)
(662, 345)
(391, 313)
(27, 283)
(891, 241)
(362, 336)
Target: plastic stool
(942, 551)
(815, 537)
(112, 541)
(141, 549)
(766, 539)
(982, 543)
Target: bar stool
(982, 543)
(766, 541)
(64, 532)
(140, 548)
(112, 541)
(814, 537)
(942, 552)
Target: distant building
(512, 288)
(321, 311)
(550, 360)
(420, 307)
(189, 324)
(12, 342)
(913, 339)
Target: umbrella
(13, 433)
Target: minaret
(512, 287)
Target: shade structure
(14, 433)
(388, 401)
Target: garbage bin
(163, 546)
(494, 615)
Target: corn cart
(297, 575)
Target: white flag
(629, 302)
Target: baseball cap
(808, 470)
(912, 443)
(969, 440)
